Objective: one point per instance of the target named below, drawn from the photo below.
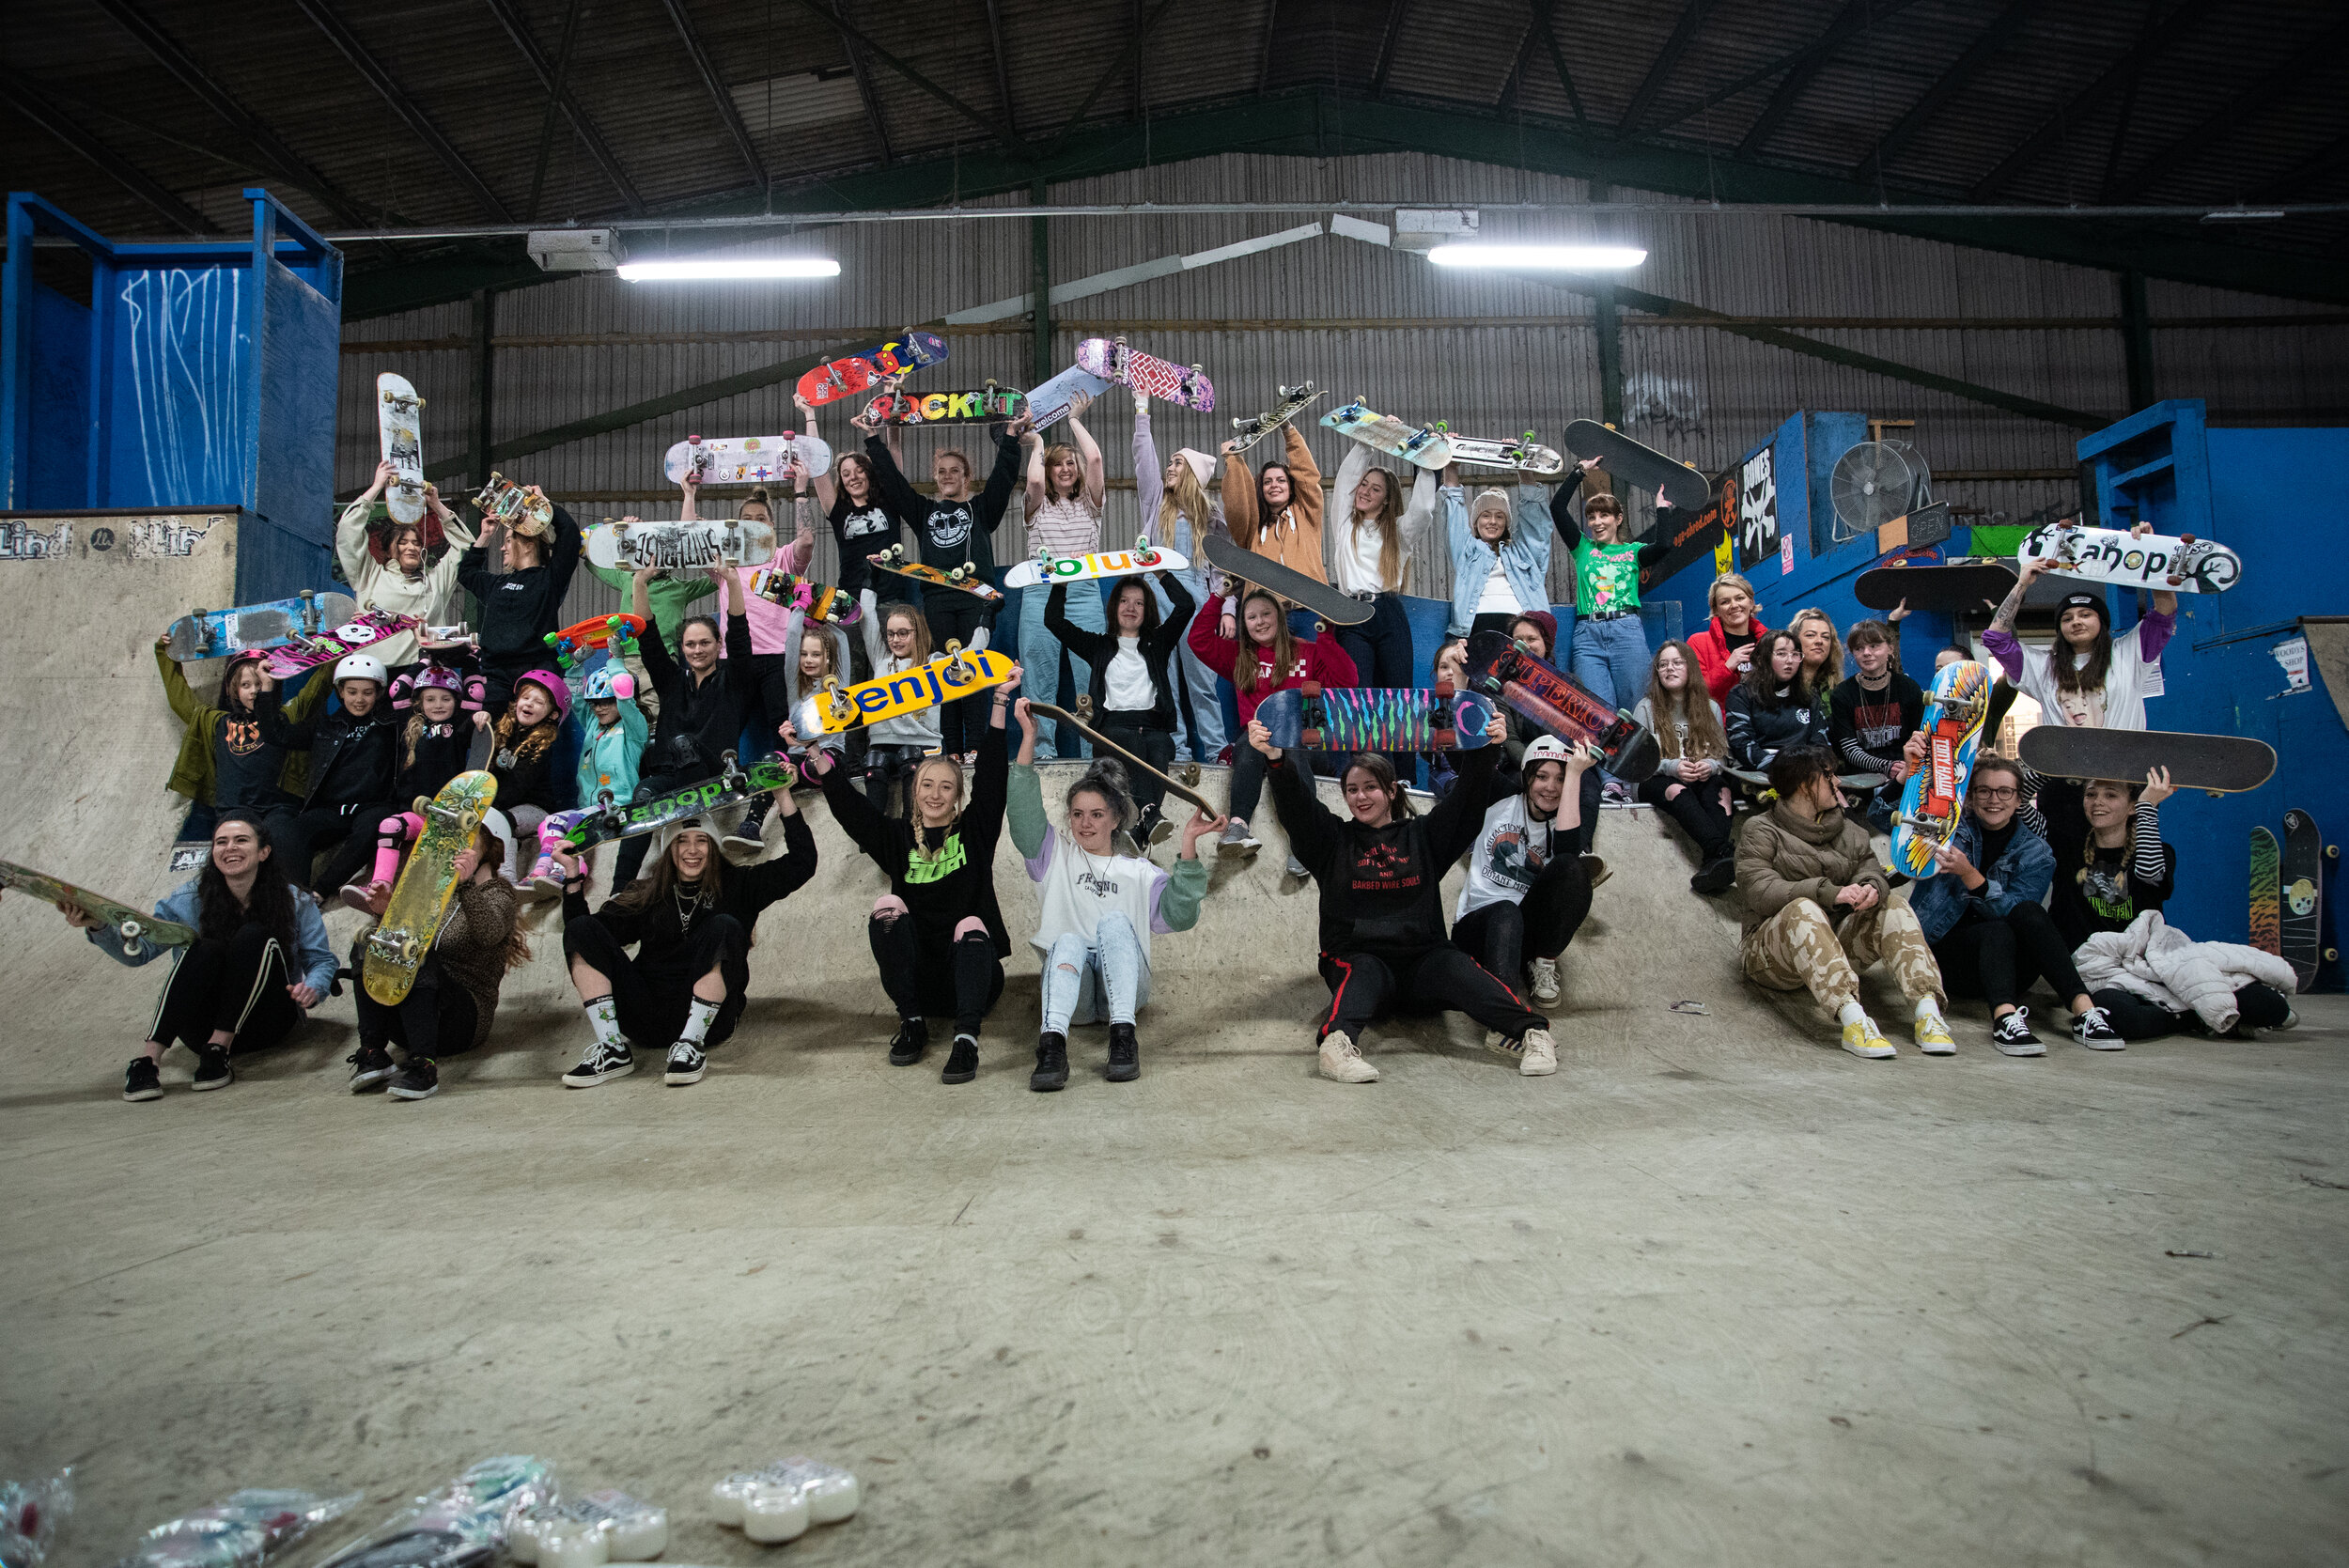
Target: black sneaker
(600, 1063)
(686, 1062)
(748, 837)
(419, 1081)
(1124, 1054)
(2093, 1029)
(911, 1039)
(141, 1080)
(212, 1069)
(1595, 869)
(1714, 876)
(962, 1062)
(370, 1067)
(2013, 1036)
(1051, 1062)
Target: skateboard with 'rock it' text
(982, 405)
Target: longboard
(256, 627)
(817, 602)
(504, 501)
(2267, 894)
(1293, 400)
(743, 459)
(135, 931)
(399, 423)
(428, 880)
(679, 546)
(853, 373)
(1524, 453)
(582, 828)
(1047, 568)
(1947, 590)
(965, 577)
(1636, 463)
(2221, 764)
(299, 653)
(955, 673)
(2185, 564)
(1933, 802)
(1262, 570)
(2303, 894)
(1048, 404)
(1079, 719)
(980, 406)
(1428, 446)
(1377, 718)
(1562, 705)
(575, 642)
(1146, 374)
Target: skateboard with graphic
(2220, 764)
(817, 602)
(2185, 564)
(1291, 401)
(505, 502)
(136, 932)
(679, 546)
(1145, 375)
(256, 627)
(1377, 718)
(743, 459)
(1636, 463)
(1524, 453)
(428, 880)
(854, 373)
(2302, 932)
(398, 420)
(1082, 719)
(357, 635)
(1048, 404)
(955, 673)
(1427, 445)
(1047, 568)
(1933, 802)
(965, 577)
(574, 643)
(1562, 705)
(1338, 609)
(2267, 894)
(1955, 589)
(582, 830)
(981, 406)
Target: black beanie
(2095, 602)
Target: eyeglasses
(1986, 794)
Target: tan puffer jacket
(1782, 858)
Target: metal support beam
(863, 74)
(2136, 342)
(1263, 56)
(1397, 11)
(484, 385)
(1885, 10)
(2272, 91)
(719, 99)
(519, 30)
(1849, 22)
(402, 103)
(1040, 288)
(1979, 53)
(1608, 322)
(847, 30)
(1515, 82)
(21, 96)
(2326, 164)
(1118, 69)
(1659, 70)
(1544, 21)
(1003, 69)
(554, 104)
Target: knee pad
(889, 908)
(970, 926)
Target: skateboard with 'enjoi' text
(854, 373)
(428, 880)
(982, 406)
(399, 421)
(679, 546)
(965, 577)
(1934, 801)
(2221, 764)
(2185, 564)
(1426, 445)
(136, 932)
(1560, 705)
(1147, 375)
(1636, 463)
(256, 627)
(2302, 924)
(957, 672)
(357, 635)
(817, 602)
(1047, 568)
(743, 459)
(1377, 718)
(1338, 609)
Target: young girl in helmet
(439, 704)
(606, 766)
(522, 754)
(353, 752)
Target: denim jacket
(2023, 875)
(1524, 556)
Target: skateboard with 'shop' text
(1147, 375)
(1338, 609)
(1082, 718)
(984, 405)
(1047, 568)
(2302, 922)
(1562, 705)
(1958, 588)
(2185, 564)
(743, 459)
(854, 373)
(357, 635)
(957, 672)
(584, 829)
(965, 577)
(817, 602)
(1426, 446)
(1377, 718)
(1251, 429)
(1934, 801)
(256, 627)
(1523, 454)
(574, 643)
(135, 931)
(398, 420)
(2221, 764)
(679, 546)
(1636, 463)
(428, 880)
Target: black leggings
(2135, 1019)
(1499, 935)
(1997, 957)
(955, 615)
(1364, 988)
(237, 984)
(1153, 746)
(436, 1018)
(653, 995)
(1696, 808)
(296, 837)
(965, 978)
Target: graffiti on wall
(141, 538)
(25, 541)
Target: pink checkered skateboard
(1147, 374)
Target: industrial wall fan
(1876, 482)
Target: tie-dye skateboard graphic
(1377, 718)
(2266, 893)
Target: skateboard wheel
(774, 1514)
(1312, 689)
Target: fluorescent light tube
(1572, 259)
(730, 267)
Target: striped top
(1070, 527)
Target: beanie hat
(1548, 622)
(2092, 602)
(1202, 466)
(1494, 500)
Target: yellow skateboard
(953, 674)
(396, 947)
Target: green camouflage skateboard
(134, 931)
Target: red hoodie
(1320, 659)
(1711, 647)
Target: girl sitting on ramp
(1526, 888)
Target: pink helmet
(558, 691)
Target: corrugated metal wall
(1707, 396)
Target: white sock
(606, 1019)
(1851, 1012)
(1930, 1009)
(698, 1021)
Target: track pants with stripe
(1364, 988)
(237, 984)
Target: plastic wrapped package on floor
(462, 1525)
(30, 1513)
(243, 1530)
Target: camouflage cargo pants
(1797, 946)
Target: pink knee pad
(394, 833)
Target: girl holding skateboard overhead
(1099, 908)
(1371, 557)
(938, 935)
(1380, 869)
(408, 568)
(1687, 723)
(692, 920)
(1178, 511)
(1527, 890)
(1133, 693)
(2090, 677)
(520, 605)
(1276, 511)
(259, 963)
(1609, 645)
(1065, 493)
(1500, 554)
(1269, 660)
(704, 701)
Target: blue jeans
(1199, 722)
(1040, 658)
(1611, 658)
(1082, 982)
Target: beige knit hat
(1495, 500)
(1202, 466)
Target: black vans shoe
(1051, 1062)
(141, 1080)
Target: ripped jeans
(1081, 982)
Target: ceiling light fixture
(1571, 259)
(730, 267)
(2243, 215)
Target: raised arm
(1240, 499)
(564, 558)
(900, 497)
(996, 499)
(1088, 451)
(825, 488)
(1035, 493)
(1305, 493)
(1149, 476)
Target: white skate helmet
(361, 667)
(502, 830)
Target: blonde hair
(1727, 580)
(831, 654)
(1385, 522)
(1832, 671)
(1052, 456)
(961, 784)
(1185, 498)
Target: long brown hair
(1761, 682)
(1052, 456)
(2089, 676)
(1381, 770)
(1386, 522)
(654, 887)
(1691, 704)
(894, 607)
(1283, 646)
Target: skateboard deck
(2303, 894)
(1377, 718)
(982, 406)
(2221, 764)
(256, 627)
(1639, 464)
(299, 653)
(743, 459)
(1293, 400)
(1103, 743)
(1048, 404)
(965, 577)
(502, 501)
(399, 421)
(1523, 454)
(134, 930)
(1427, 445)
(2185, 564)
(1337, 608)
(679, 546)
(953, 674)
(1562, 705)
(817, 602)
(428, 880)
(2267, 894)
(575, 642)
(1933, 802)
(1048, 568)
(1949, 590)
(1145, 373)
(853, 373)
(588, 826)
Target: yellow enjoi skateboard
(953, 674)
(396, 947)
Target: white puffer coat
(2162, 964)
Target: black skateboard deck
(1323, 600)
(1560, 705)
(2303, 897)
(1638, 464)
(1103, 742)
(1948, 590)
(2221, 764)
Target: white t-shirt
(1127, 679)
(1074, 890)
(1511, 849)
(1499, 598)
(1357, 560)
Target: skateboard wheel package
(782, 1500)
(464, 1523)
(243, 1530)
(30, 1512)
(600, 1528)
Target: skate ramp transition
(89, 742)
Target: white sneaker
(1237, 839)
(1342, 1060)
(1495, 1040)
(1545, 979)
(1541, 1053)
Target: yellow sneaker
(1933, 1037)
(1861, 1039)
